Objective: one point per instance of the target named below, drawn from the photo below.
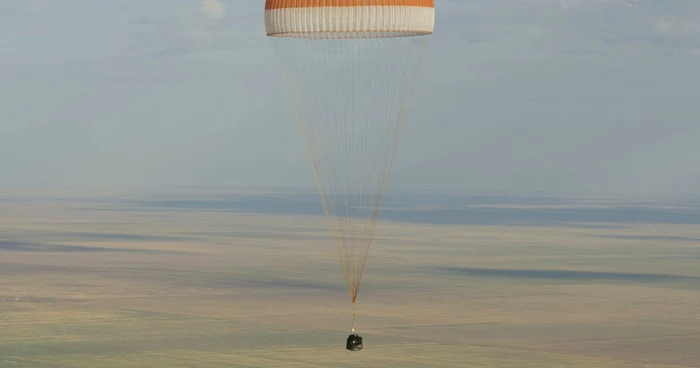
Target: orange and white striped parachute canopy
(349, 18)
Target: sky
(554, 97)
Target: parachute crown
(337, 19)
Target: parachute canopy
(349, 18)
(350, 66)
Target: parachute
(350, 66)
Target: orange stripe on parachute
(284, 4)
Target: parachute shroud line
(350, 69)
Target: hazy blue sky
(576, 97)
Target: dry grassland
(89, 286)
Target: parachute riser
(354, 319)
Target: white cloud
(678, 26)
(213, 8)
(173, 28)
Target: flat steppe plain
(95, 283)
